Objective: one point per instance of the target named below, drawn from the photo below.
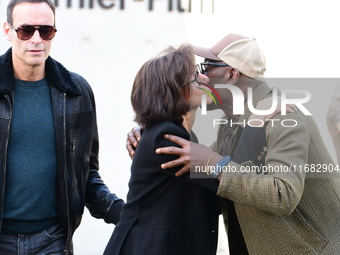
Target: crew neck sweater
(30, 190)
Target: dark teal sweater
(30, 194)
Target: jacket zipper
(73, 141)
(68, 241)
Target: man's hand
(183, 153)
(190, 155)
(133, 138)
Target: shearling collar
(56, 74)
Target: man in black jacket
(48, 140)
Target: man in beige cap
(235, 60)
(283, 209)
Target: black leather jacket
(78, 180)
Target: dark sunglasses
(26, 32)
(203, 69)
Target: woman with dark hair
(166, 214)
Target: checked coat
(293, 212)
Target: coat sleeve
(99, 200)
(279, 187)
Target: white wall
(299, 38)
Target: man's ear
(7, 31)
(233, 74)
